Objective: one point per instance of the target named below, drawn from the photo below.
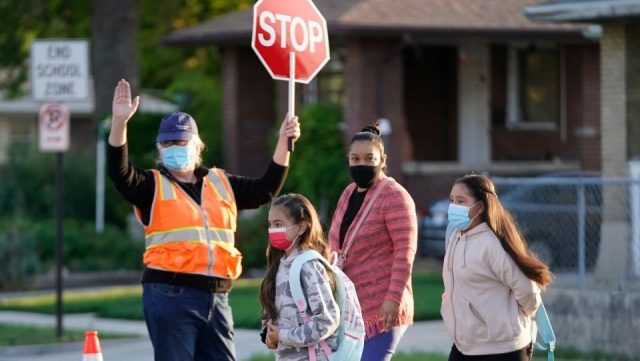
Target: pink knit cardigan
(381, 258)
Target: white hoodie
(488, 302)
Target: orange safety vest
(183, 236)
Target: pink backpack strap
(312, 353)
(325, 348)
(342, 255)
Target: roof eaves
(363, 30)
(583, 11)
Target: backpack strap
(548, 337)
(342, 255)
(295, 285)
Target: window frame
(514, 118)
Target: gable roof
(363, 17)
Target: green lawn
(125, 302)
(13, 335)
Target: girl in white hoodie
(492, 280)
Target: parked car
(547, 214)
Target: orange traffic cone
(92, 350)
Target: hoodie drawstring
(464, 253)
(453, 246)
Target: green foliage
(84, 250)
(23, 21)
(252, 238)
(19, 261)
(27, 187)
(29, 247)
(318, 165)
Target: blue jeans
(188, 324)
(381, 347)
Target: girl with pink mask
(294, 228)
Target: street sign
(60, 70)
(53, 128)
(282, 27)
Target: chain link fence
(582, 227)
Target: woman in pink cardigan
(374, 233)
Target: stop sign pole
(292, 93)
(290, 37)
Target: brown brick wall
(588, 115)
(374, 78)
(427, 189)
(249, 112)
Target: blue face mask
(458, 215)
(177, 157)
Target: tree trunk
(114, 49)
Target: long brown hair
(298, 209)
(502, 224)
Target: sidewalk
(422, 337)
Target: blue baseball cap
(176, 126)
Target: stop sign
(284, 26)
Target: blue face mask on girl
(178, 157)
(458, 215)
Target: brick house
(465, 85)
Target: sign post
(54, 137)
(59, 72)
(290, 37)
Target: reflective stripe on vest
(216, 181)
(167, 192)
(189, 234)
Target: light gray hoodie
(488, 303)
(323, 311)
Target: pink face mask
(278, 238)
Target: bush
(19, 262)
(84, 250)
(319, 163)
(27, 187)
(253, 237)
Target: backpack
(542, 329)
(351, 331)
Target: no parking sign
(53, 127)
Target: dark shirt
(355, 203)
(137, 185)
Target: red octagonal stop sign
(284, 26)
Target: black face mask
(365, 175)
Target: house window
(534, 88)
(21, 131)
(328, 86)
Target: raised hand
(123, 108)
